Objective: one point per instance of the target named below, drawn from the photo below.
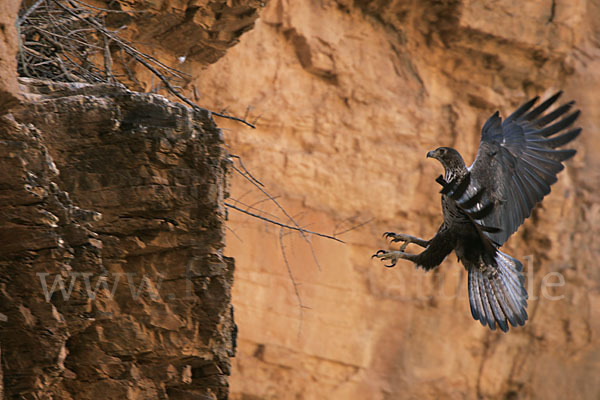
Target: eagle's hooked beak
(431, 154)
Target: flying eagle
(485, 203)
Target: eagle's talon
(392, 256)
(397, 237)
(393, 237)
(388, 235)
(378, 253)
(407, 239)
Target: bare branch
(294, 284)
(259, 186)
(29, 11)
(251, 207)
(293, 228)
(234, 234)
(246, 174)
(245, 169)
(335, 233)
(110, 11)
(234, 118)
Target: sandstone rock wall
(113, 279)
(9, 92)
(114, 285)
(351, 95)
(198, 31)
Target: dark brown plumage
(484, 204)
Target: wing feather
(518, 161)
(523, 109)
(545, 120)
(475, 298)
(558, 126)
(542, 107)
(559, 140)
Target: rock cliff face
(113, 280)
(112, 275)
(349, 96)
(9, 92)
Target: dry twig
(295, 284)
(271, 221)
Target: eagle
(484, 204)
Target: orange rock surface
(348, 97)
(351, 96)
(8, 54)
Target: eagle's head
(453, 163)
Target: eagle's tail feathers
(497, 294)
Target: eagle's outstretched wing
(517, 162)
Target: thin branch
(259, 186)
(29, 11)
(294, 284)
(313, 254)
(246, 193)
(245, 169)
(234, 118)
(234, 234)
(293, 228)
(108, 61)
(246, 174)
(247, 111)
(251, 207)
(335, 233)
(255, 120)
(40, 30)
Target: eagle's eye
(442, 151)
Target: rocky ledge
(112, 278)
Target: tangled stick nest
(68, 41)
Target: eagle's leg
(407, 239)
(394, 256)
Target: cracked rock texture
(113, 282)
(199, 31)
(350, 96)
